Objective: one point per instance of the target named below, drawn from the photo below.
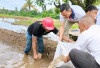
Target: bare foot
(35, 57)
(39, 55)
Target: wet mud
(12, 58)
(18, 40)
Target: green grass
(74, 27)
(26, 23)
(6, 15)
(29, 22)
(57, 25)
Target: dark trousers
(82, 59)
(29, 43)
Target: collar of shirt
(73, 14)
(98, 14)
(93, 27)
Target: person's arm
(67, 39)
(61, 31)
(73, 21)
(34, 46)
(55, 31)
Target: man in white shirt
(94, 13)
(71, 13)
(88, 39)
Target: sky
(12, 4)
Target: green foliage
(97, 2)
(26, 23)
(57, 25)
(83, 3)
(41, 3)
(23, 12)
(50, 14)
(29, 5)
(74, 27)
(32, 13)
(57, 10)
(66, 1)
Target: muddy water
(4, 24)
(10, 20)
(11, 58)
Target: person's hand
(60, 38)
(66, 59)
(71, 41)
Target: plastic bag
(63, 49)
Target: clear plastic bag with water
(63, 49)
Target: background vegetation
(29, 10)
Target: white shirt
(98, 18)
(90, 40)
(77, 11)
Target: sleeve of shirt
(55, 31)
(98, 20)
(81, 42)
(62, 19)
(79, 12)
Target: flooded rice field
(13, 56)
(5, 23)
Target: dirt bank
(22, 18)
(18, 40)
(18, 17)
